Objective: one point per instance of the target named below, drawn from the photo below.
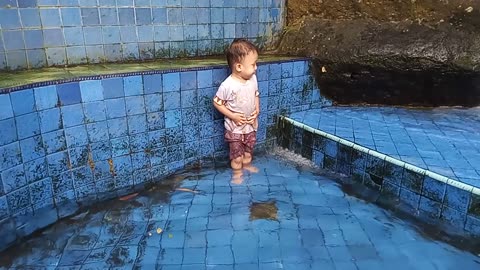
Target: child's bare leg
(237, 177)
(236, 163)
(247, 158)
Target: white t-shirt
(239, 97)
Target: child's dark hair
(239, 48)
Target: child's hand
(239, 119)
(252, 118)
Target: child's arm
(237, 118)
(254, 115)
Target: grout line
(408, 166)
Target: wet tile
(94, 111)
(69, 93)
(76, 136)
(137, 124)
(154, 103)
(57, 163)
(115, 108)
(135, 105)
(433, 189)
(23, 102)
(78, 156)
(50, 120)
(413, 181)
(133, 85)
(35, 170)
(72, 115)
(97, 132)
(32, 148)
(28, 125)
(8, 131)
(18, 199)
(13, 178)
(41, 191)
(117, 127)
(113, 88)
(456, 198)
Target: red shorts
(240, 143)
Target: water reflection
(238, 175)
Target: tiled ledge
(430, 195)
(12, 81)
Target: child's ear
(238, 67)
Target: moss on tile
(17, 78)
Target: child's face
(247, 67)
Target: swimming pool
(282, 214)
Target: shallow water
(279, 214)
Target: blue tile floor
(284, 216)
(443, 140)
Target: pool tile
(135, 105)
(97, 132)
(8, 131)
(457, 199)
(152, 83)
(36, 169)
(94, 111)
(30, 17)
(23, 102)
(6, 106)
(91, 90)
(13, 178)
(412, 199)
(69, 93)
(41, 191)
(120, 146)
(90, 16)
(113, 88)
(133, 85)
(18, 199)
(50, 17)
(27, 125)
(433, 189)
(32, 148)
(71, 16)
(171, 82)
(117, 127)
(413, 181)
(115, 108)
(453, 217)
(430, 207)
(50, 120)
(139, 142)
(76, 136)
(137, 124)
(57, 162)
(189, 98)
(72, 115)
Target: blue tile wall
(195, 28)
(68, 139)
(413, 191)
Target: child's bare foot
(250, 168)
(237, 177)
